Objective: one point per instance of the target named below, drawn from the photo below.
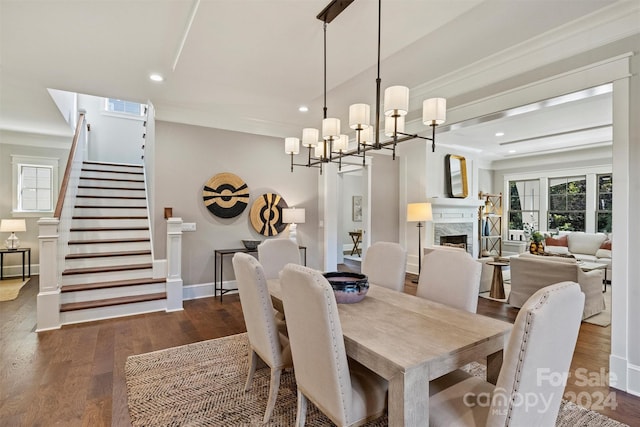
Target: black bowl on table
(348, 287)
(251, 245)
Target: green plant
(537, 237)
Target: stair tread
(107, 254)
(112, 284)
(111, 171)
(111, 179)
(108, 228)
(86, 196)
(83, 305)
(127, 165)
(88, 270)
(109, 207)
(110, 217)
(102, 187)
(98, 241)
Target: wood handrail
(67, 170)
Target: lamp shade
(330, 128)
(293, 215)
(390, 126)
(342, 143)
(359, 116)
(291, 145)
(434, 110)
(396, 100)
(12, 225)
(319, 150)
(366, 136)
(419, 212)
(310, 137)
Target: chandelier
(331, 145)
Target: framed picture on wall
(356, 208)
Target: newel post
(174, 264)
(48, 302)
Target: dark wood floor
(75, 376)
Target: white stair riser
(90, 201)
(89, 315)
(111, 175)
(79, 279)
(106, 261)
(111, 184)
(101, 192)
(109, 247)
(120, 291)
(123, 167)
(99, 235)
(83, 223)
(107, 211)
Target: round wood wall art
(225, 195)
(266, 214)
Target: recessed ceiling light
(499, 133)
(303, 108)
(512, 151)
(156, 77)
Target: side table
(24, 251)
(218, 259)
(355, 238)
(497, 284)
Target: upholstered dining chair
(450, 277)
(540, 349)
(348, 393)
(385, 264)
(265, 340)
(274, 254)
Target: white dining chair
(274, 254)
(385, 264)
(450, 277)
(345, 391)
(265, 340)
(528, 392)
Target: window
(35, 184)
(567, 203)
(524, 204)
(605, 202)
(120, 106)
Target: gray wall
(186, 157)
(385, 199)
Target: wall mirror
(456, 176)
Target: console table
(24, 251)
(218, 258)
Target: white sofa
(583, 246)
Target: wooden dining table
(410, 340)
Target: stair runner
(108, 266)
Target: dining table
(410, 341)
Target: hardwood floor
(75, 376)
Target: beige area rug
(202, 384)
(10, 288)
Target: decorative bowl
(251, 244)
(348, 287)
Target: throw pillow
(603, 253)
(557, 250)
(556, 241)
(606, 245)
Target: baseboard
(633, 379)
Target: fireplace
(459, 240)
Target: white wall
(113, 138)
(351, 186)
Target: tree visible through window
(524, 203)
(567, 203)
(605, 202)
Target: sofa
(591, 247)
(532, 272)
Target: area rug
(10, 288)
(202, 384)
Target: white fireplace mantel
(446, 202)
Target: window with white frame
(605, 202)
(524, 205)
(120, 106)
(35, 183)
(567, 203)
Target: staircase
(108, 266)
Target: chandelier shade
(330, 128)
(318, 151)
(310, 137)
(291, 145)
(342, 143)
(359, 116)
(393, 125)
(396, 101)
(434, 111)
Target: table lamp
(293, 217)
(11, 226)
(418, 212)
